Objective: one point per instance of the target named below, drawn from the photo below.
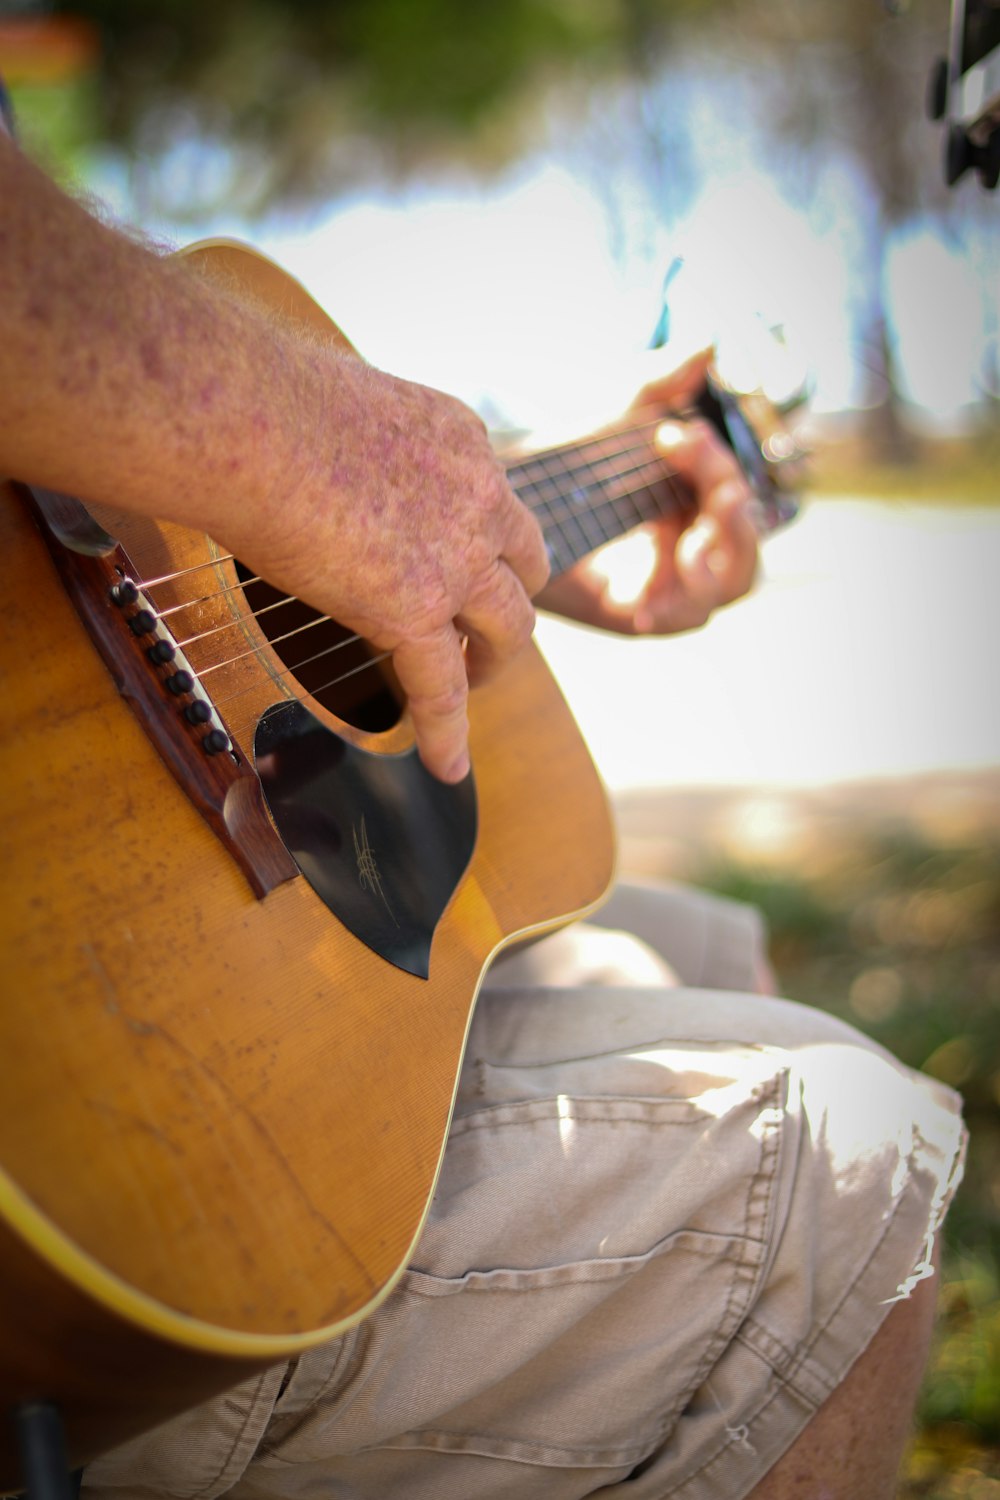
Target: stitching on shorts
(744, 1255)
(732, 1247)
(345, 1357)
(516, 1450)
(763, 1180)
(588, 1109)
(746, 1270)
(251, 1407)
(794, 1361)
(784, 1381)
(726, 1442)
(798, 1359)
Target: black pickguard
(381, 841)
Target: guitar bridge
(153, 674)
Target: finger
(522, 547)
(722, 493)
(699, 456)
(679, 385)
(682, 591)
(732, 545)
(431, 671)
(582, 594)
(498, 619)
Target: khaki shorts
(670, 1217)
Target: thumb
(678, 385)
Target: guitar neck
(585, 494)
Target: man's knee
(853, 1447)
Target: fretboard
(586, 494)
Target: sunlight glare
(567, 1125)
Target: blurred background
(491, 199)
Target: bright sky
(511, 295)
(508, 297)
(862, 653)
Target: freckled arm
(126, 378)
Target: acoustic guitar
(243, 934)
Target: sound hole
(326, 660)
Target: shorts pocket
(585, 1261)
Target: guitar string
(552, 521)
(325, 687)
(590, 545)
(556, 518)
(551, 524)
(275, 640)
(627, 447)
(290, 670)
(349, 640)
(580, 503)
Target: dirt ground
(673, 834)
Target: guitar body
(223, 1112)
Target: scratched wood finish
(223, 1116)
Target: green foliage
(58, 122)
(304, 93)
(297, 101)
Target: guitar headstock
(768, 454)
(751, 384)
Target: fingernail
(459, 769)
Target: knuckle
(522, 620)
(695, 616)
(429, 611)
(449, 702)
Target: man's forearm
(127, 378)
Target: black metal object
(964, 92)
(43, 1453)
(775, 506)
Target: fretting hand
(704, 558)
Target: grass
(943, 471)
(898, 932)
(904, 942)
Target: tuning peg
(782, 448)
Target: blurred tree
(830, 83)
(254, 104)
(50, 64)
(852, 79)
(301, 99)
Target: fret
(594, 528)
(575, 532)
(586, 494)
(561, 558)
